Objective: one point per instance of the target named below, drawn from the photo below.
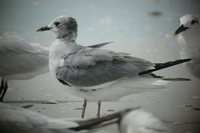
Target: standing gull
(189, 38)
(97, 74)
(20, 60)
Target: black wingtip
(170, 63)
(63, 82)
(176, 79)
(183, 60)
(159, 66)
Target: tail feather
(159, 66)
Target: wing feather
(90, 67)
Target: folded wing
(90, 67)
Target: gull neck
(70, 37)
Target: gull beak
(44, 28)
(180, 29)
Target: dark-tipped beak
(44, 28)
(180, 29)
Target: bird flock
(92, 73)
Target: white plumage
(140, 121)
(189, 39)
(20, 59)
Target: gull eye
(57, 23)
(193, 22)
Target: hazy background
(136, 26)
(142, 28)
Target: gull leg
(2, 86)
(99, 109)
(4, 91)
(84, 108)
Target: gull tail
(159, 66)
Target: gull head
(186, 22)
(63, 27)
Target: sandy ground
(178, 105)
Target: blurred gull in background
(140, 121)
(20, 60)
(97, 74)
(132, 120)
(19, 120)
(189, 38)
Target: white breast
(57, 50)
(190, 42)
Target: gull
(97, 74)
(20, 60)
(140, 121)
(131, 120)
(19, 120)
(189, 38)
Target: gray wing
(99, 45)
(90, 67)
(18, 56)
(9, 43)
